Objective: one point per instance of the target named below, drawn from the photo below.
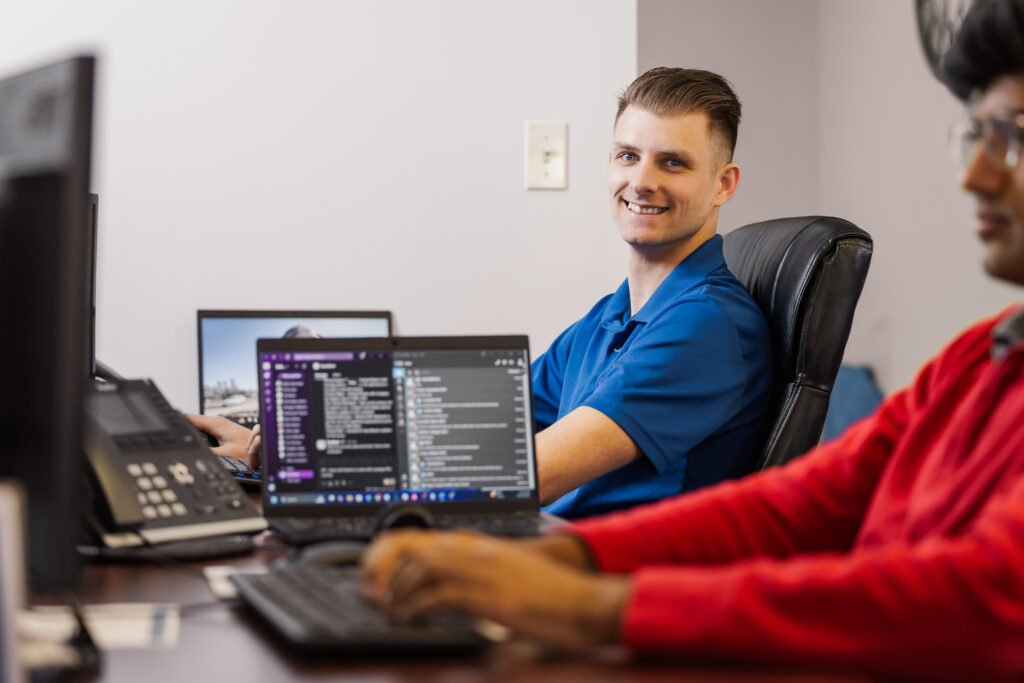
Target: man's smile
(646, 210)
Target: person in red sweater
(896, 548)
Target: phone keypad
(166, 495)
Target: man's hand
(235, 440)
(411, 573)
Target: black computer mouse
(332, 552)
(404, 515)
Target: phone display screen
(126, 413)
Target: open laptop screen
(372, 422)
(227, 350)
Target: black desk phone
(156, 479)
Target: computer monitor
(228, 384)
(45, 141)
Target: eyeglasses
(1001, 138)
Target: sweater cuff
(673, 610)
(608, 550)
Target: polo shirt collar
(692, 272)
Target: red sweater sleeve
(945, 607)
(814, 503)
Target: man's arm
(578, 448)
(949, 607)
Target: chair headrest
(779, 262)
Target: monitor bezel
(51, 469)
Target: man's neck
(647, 269)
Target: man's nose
(644, 178)
(982, 175)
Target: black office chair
(806, 274)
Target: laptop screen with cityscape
(227, 350)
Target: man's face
(998, 189)
(667, 175)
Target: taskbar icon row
(385, 497)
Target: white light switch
(547, 155)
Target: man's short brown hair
(666, 91)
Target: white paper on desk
(119, 625)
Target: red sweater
(897, 547)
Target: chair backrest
(806, 274)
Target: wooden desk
(222, 643)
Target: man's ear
(728, 181)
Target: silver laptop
(355, 430)
(227, 344)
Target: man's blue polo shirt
(688, 378)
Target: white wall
(884, 164)
(339, 154)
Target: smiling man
(661, 387)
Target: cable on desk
(89, 657)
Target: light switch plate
(547, 155)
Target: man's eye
(628, 156)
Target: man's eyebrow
(682, 154)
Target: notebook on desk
(354, 427)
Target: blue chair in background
(855, 395)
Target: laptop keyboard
(319, 607)
(525, 524)
(305, 530)
(249, 478)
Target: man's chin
(1006, 269)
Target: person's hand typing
(235, 440)
(252, 446)
(412, 573)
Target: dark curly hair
(990, 44)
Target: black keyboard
(250, 479)
(305, 530)
(318, 608)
